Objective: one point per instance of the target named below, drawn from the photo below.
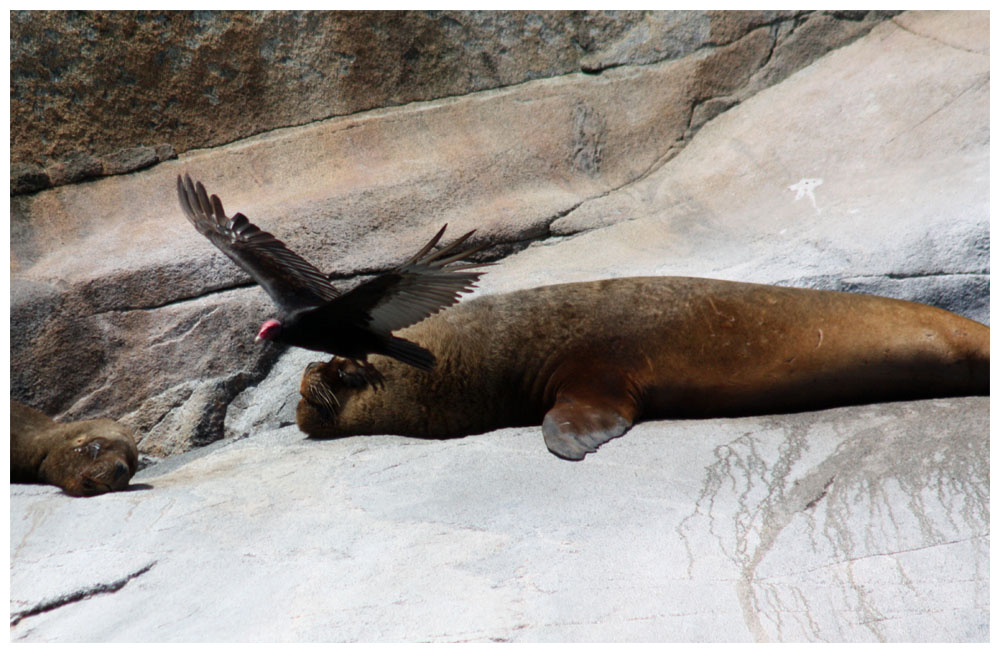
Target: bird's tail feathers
(409, 353)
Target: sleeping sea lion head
(327, 387)
(99, 456)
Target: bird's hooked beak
(268, 331)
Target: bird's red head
(268, 331)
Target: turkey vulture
(312, 313)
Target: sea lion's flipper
(575, 427)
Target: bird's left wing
(291, 281)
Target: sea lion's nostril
(121, 469)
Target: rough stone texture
(28, 178)
(354, 195)
(856, 524)
(111, 81)
(817, 34)
(76, 166)
(171, 383)
(880, 187)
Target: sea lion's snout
(326, 388)
(121, 471)
(104, 464)
(321, 383)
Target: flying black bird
(312, 313)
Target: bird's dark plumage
(313, 314)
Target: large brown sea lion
(83, 458)
(588, 359)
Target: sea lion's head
(98, 456)
(326, 388)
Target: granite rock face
(128, 86)
(866, 170)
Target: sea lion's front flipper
(575, 426)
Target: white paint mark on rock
(805, 187)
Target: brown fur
(83, 458)
(588, 359)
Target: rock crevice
(78, 595)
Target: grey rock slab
(855, 524)
(964, 31)
(871, 163)
(271, 403)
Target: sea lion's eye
(92, 449)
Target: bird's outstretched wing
(289, 279)
(413, 291)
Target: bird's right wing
(417, 289)
(291, 281)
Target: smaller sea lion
(586, 360)
(83, 458)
